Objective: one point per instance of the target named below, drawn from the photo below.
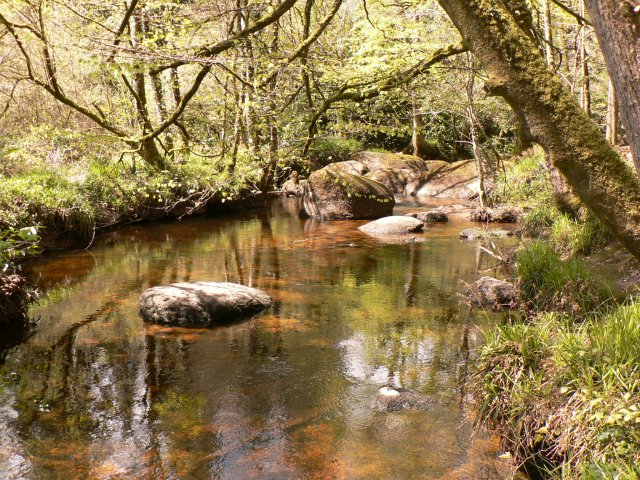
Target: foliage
(15, 244)
(575, 236)
(566, 395)
(548, 283)
(527, 183)
(330, 149)
(47, 199)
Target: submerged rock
(392, 399)
(489, 292)
(432, 216)
(201, 304)
(330, 194)
(397, 225)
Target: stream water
(96, 393)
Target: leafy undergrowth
(64, 206)
(565, 396)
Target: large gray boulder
(398, 225)
(450, 180)
(391, 161)
(489, 292)
(401, 174)
(351, 166)
(330, 194)
(393, 399)
(201, 304)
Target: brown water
(96, 393)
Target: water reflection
(95, 393)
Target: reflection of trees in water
(183, 407)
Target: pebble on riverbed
(393, 399)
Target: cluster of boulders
(400, 175)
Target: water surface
(96, 393)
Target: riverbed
(97, 393)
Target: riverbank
(558, 380)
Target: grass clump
(525, 183)
(549, 283)
(565, 396)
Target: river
(96, 393)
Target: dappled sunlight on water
(96, 393)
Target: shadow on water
(96, 393)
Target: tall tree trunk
(306, 30)
(148, 148)
(274, 140)
(483, 164)
(161, 107)
(518, 73)
(617, 25)
(548, 33)
(612, 115)
(418, 145)
(585, 81)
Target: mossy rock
(330, 194)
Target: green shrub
(15, 244)
(548, 283)
(331, 149)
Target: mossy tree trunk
(617, 26)
(518, 72)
